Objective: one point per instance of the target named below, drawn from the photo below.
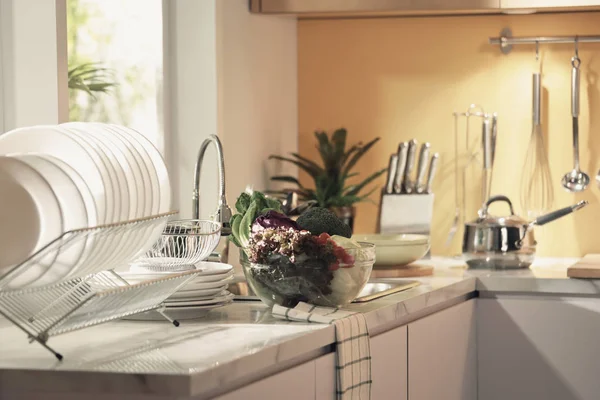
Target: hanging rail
(506, 40)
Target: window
(115, 58)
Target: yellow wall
(400, 78)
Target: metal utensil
(402, 153)
(422, 167)
(486, 141)
(410, 163)
(537, 192)
(432, 170)
(389, 187)
(576, 180)
(505, 241)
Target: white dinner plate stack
(55, 179)
(206, 291)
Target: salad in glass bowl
(311, 259)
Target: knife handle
(410, 163)
(422, 167)
(432, 169)
(389, 187)
(402, 153)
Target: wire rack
(182, 244)
(91, 293)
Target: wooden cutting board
(408, 271)
(587, 267)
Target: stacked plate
(54, 179)
(205, 292)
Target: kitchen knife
(432, 169)
(402, 152)
(422, 167)
(389, 187)
(410, 163)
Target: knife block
(405, 213)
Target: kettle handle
(498, 197)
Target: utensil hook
(575, 60)
(537, 50)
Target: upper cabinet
(329, 8)
(373, 7)
(551, 5)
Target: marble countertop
(241, 342)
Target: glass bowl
(309, 280)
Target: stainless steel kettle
(504, 242)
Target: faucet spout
(223, 212)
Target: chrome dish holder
(94, 293)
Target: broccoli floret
(319, 220)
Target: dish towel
(352, 345)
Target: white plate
(158, 163)
(82, 187)
(55, 142)
(118, 154)
(143, 176)
(90, 206)
(198, 294)
(118, 186)
(126, 242)
(207, 268)
(203, 284)
(74, 214)
(186, 303)
(213, 268)
(31, 218)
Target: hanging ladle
(576, 180)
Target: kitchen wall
(29, 94)
(401, 78)
(232, 74)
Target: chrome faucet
(223, 213)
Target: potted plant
(330, 176)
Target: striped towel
(352, 345)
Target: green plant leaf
(358, 154)
(339, 143)
(313, 164)
(90, 78)
(308, 168)
(325, 149)
(369, 193)
(355, 189)
(286, 178)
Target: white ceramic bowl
(396, 250)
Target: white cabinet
(389, 365)
(442, 355)
(325, 377)
(388, 368)
(296, 383)
(538, 349)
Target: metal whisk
(537, 191)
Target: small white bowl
(396, 250)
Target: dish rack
(474, 155)
(93, 293)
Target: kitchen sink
(373, 290)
